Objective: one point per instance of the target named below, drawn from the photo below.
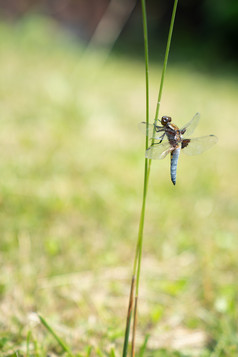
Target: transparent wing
(189, 128)
(196, 146)
(152, 131)
(158, 151)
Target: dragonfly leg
(158, 128)
(162, 138)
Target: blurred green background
(71, 180)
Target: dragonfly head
(165, 120)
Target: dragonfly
(168, 138)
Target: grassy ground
(70, 193)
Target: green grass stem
(137, 259)
(147, 172)
(166, 56)
(28, 339)
(129, 314)
(134, 328)
(142, 216)
(56, 337)
(143, 347)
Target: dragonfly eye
(165, 119)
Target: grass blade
(28, 339)
(137, 259)
(56, 337)
(147, 167)
(128, 320)
(112, 352)
(143, 347)
(166, 56)
(134, 328)
(141, 224)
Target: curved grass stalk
(63, 345)
(166, 56)
(147, 166)
(141, 224)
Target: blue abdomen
(174, 164)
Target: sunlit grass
(71, 158)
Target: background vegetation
(70, 191)
(206, 30)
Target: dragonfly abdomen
(174, 163)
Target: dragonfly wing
(151, 130)
(196, 146)
(189, 128)
(158, 151)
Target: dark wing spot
(185, 143)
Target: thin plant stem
(142, 216)
(166, 59)
(57, 338)
(166, 56)
(134, 328)
(28, 344)
(129, 314)
(148, 166)
(146, 176)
